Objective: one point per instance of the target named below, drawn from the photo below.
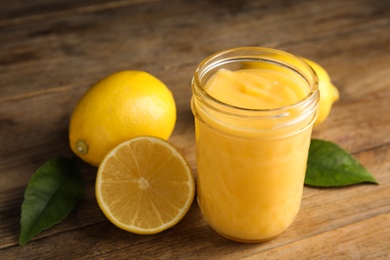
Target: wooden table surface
(51, 52)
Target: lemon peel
(328, 92)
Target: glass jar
(251, 163)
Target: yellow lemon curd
(251, 172)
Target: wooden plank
(192, 239)
(348, 242)
(99, 44)
(20, 12)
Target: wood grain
(51, 52)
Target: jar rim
(248, 52)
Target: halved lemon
(145, 185)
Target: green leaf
(51, 194)
(331, 166)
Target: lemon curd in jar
(253, 129)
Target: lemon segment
(121, 106)
(144, 185)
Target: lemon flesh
(145, 185)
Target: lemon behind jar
(120, 107)
(328, 92)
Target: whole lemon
(328, 92)
(120, 107)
